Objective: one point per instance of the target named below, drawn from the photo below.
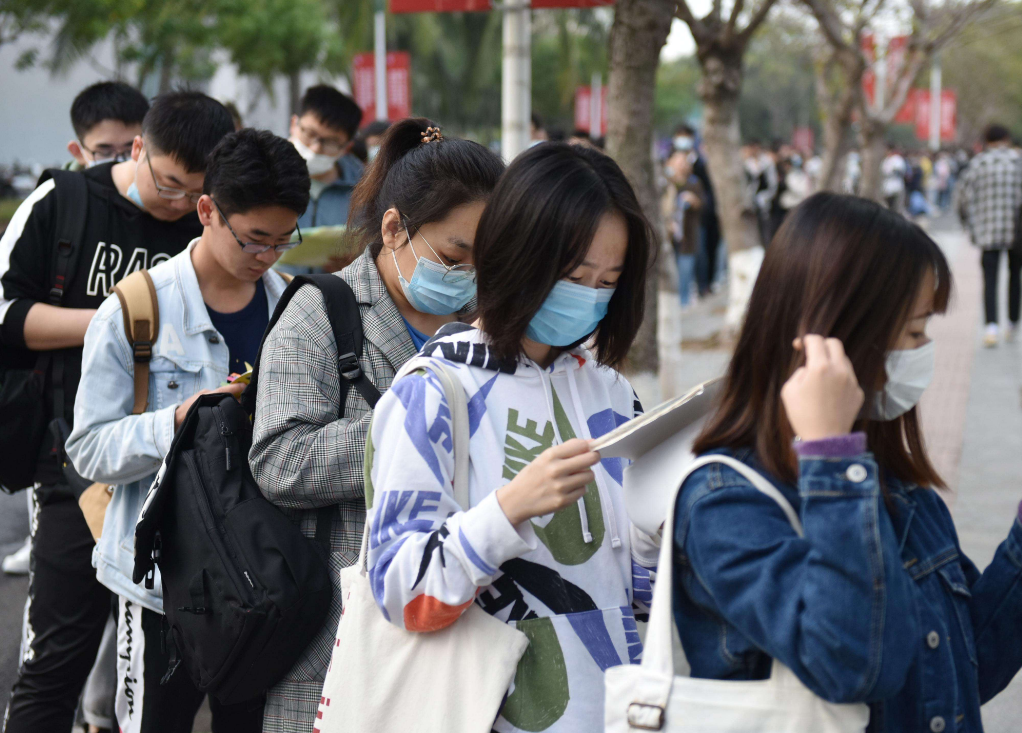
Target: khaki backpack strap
(287, 278)
(141, 312)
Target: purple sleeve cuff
(840, 446)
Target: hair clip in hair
(432, 135)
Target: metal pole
(380, 37)
(935, 100)
(516, 79)
(596, 107)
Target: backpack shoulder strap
(72, 206)
(346, 323)
(141, 311)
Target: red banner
(473, 6)
(399, 85)
(948, 115)
(583, 105)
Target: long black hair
(538, 227)
(843, 267)
(424, 180)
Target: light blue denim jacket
(112, 446)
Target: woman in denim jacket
(876, 603)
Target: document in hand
(318, 245)
(659, 444)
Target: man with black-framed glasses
(106, 117)
(322, 132)
(214, 301)
(74, 238)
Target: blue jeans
(686, 274)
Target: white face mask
(683, 143)
(317, 162)
(909, 373)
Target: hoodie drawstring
(606, 500)
(587, 536)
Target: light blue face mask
(434, 288)
(135, 196)
(569, 314)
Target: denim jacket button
(214, 339)
(856, 473)
(937, 724)
(933, 640)
(172, 384)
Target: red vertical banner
(583, 101)
(399, 85)
(907, 114)
(948, 115)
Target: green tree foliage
(676, 99)
(984, 67)
(779, 93)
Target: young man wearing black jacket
(139, 213)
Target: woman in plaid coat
(416, 212)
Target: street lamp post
(380, 38)
(516, 78)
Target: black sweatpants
(65, 614)
(146, 706)
(991, 263)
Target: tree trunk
(639, 32)
(166, 73)
(872, 159)
(719, 89)
(837, 141)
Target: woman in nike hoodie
(561, 255)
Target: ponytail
(424, 175)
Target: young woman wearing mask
(545, 544)
(876, 604)
(416, 211)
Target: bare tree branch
(696, 26)
(717, 10)
(757, 19)
(736, 10)
(830, 24)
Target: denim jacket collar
(195, 314)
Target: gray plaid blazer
(304, 458)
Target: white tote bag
(650, 697)
(383, 679)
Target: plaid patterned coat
(990, 195)
(304, 458)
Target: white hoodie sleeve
(427, 557)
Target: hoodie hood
(461, 343)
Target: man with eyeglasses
(136, 214)
(323, 132)
(106, 117)
(214, 302)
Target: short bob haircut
(537, 228)
(841, 267)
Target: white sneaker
(990, 335)
(17, 562)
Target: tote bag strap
(657, 652)
(454, 393)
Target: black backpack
(244, 591)
(25, 374)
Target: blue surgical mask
(569, 314)
(434, 288)
(135, 196)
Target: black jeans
(991, 263)
(67, 609)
